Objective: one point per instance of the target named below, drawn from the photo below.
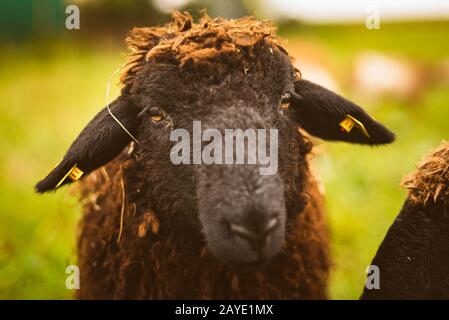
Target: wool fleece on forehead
(208, 41)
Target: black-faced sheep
(413, 259)
(153, 229)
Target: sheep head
(223, 74)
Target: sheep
(413, 259)
(152, 229)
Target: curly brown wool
(209, 40)
(430, 180)
(148, 266)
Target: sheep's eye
(285, 101)
(156, 118)
(155, 115)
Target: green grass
(46, 99)
(48, 93)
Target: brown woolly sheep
(413, 259)
(154, 229)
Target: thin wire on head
(107, 103)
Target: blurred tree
(22, 20)
(115, 18)
(227, 9)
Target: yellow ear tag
(350, 122)
(74, 174)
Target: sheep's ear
(99, 142)
(329, 116)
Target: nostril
(241, 231)
(272, 223)
(256, 239)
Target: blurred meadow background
(53, 81)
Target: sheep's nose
(258, 234)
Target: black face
(241, 213)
